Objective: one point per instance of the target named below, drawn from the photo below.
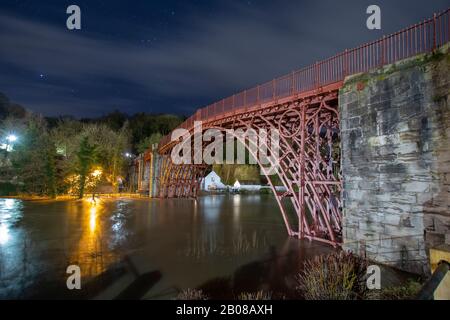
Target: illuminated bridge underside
(181, 181)
(308, 164)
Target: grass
(191, 294)
(408, 291)
(260, 295)
(342, 276)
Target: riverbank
(25, 197)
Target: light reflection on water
(4, 234)
(93, 218)
(89, 251)
(10, 214)
(188, 241)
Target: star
(41, 76)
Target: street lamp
(8, 144)
(11, 138)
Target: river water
(222, 243)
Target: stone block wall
(154, 174)
(395, 124)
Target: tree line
(64, 155)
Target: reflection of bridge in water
(303, 106)
(232, 242)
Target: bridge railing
(422, 37)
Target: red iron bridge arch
(303, 106)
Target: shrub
(191, 294)
(405, 292)
(336, 276)
(265, 191)
(7, 189)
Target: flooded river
(227, 243)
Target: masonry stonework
(395, 124)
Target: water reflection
(236, 207)
(4, 234)
(210, 243)
(213, 203)
(118, 220)
(187, 241)
(13, 245)
(93, 218)
(10, 214)
(87, 252)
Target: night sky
(173, 56)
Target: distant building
(246, 185)
(212, 182)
